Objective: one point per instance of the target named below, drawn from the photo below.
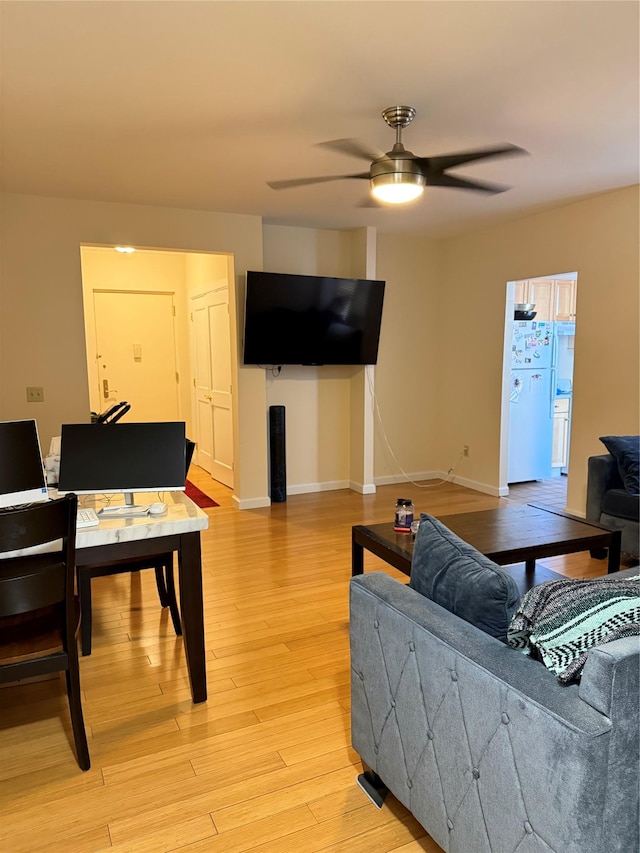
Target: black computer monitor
(123, 458)
(22, 477)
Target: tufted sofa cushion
(456, 576)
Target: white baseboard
(250, 503)
(329, 486)
(370, 488)
(390, 479)
(485, 488)
(363, 488)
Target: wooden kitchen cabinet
(560, 433)
(565, 300)
(541, 294)
(555, 299)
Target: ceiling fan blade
(439, 179)
(448, 161)
(303, 182)
(353, 147)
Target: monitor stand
(129, 510)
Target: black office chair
(39, 613)
(165, 581)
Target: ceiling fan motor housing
(396, 165)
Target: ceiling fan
(399, 175)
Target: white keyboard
(87, 518)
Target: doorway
(540, 329)
(138, 313)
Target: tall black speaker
(277, 455)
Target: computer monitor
(22, 477)
(123, 458)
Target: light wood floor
(265, 764)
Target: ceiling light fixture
(397, 187)
(125, 250)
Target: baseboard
(370, 488)
(485, 488)
(363, 488)
(419, 476)
(328, 486)
(250, 503)
(416, 477)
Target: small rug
(198, 496)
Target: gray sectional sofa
(481, 743)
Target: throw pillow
(625, 449)
(559, 621)
(456, 576)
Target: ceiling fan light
(398, 188)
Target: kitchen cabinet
(565, 300)
(560, 445)
(541, 294)
(555, 299)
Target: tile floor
(551, 492)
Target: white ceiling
(195, 104)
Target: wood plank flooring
(265, 765)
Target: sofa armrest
(602, 475)
(610, 677)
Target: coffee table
(514, 534)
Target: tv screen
(303, 319)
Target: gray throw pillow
(459, 578)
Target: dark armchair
(610, 496)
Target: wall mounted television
(311, 320)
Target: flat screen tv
(303, 319)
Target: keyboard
(87, 518)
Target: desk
(118, 539)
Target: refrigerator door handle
(552, 392)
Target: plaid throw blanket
(558, 622)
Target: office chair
(39, 613)
(165, 582)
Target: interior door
(212, 381)
(136, 354)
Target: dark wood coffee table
(514, 534)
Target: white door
(212, 382)
(136, 353)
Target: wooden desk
(118, 539)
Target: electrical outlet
(465, 450)
(35, 395)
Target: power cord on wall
(450, 472)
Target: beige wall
(408, 359)
(598, 237)
(317, 400)
(439, 375)
(42, 338)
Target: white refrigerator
(531, 398)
